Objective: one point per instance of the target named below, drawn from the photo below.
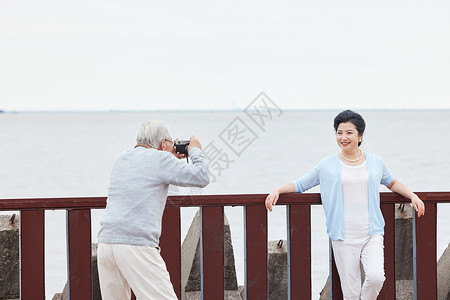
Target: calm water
(71, 154)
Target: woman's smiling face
(347, 136)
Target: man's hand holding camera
(181, 148)
(194, 142)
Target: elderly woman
(129, 253)
(349, 188)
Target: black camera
(181, 146)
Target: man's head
(155, 134)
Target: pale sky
(157, 55)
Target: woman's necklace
(352, 160)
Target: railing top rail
(202, 200)
(53, 203)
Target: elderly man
(128, 253)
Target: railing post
(79, 254)
(424, 253)
(299, 251)
(388, 291)
(171, 247)
(255, 222)
(335, 281)
(79, 243)
(211, 252)
(32, 254)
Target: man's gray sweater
(138, 191)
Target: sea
(70, 154)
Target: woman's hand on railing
(418, 205)
(272, 199)
(399, 187)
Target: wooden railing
(212, 214)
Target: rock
(190, 263)
(443, 275)
(9, 260)
(277, 270)
(96, 294)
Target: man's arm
(177, 172)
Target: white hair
(153, 133)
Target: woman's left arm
(399, 187)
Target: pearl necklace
(352, 160)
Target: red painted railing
(255, 214)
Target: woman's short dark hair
(350, 116)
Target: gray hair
(153, 133)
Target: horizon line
(213, 110)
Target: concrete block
(277, 270)
(190, 259)
(228, 295)
(403, 242)
(443, 275)
(96, 294)
(325, 293)
(9, 260)
(190, 263)
(241, 290)
(404, 289)
(57, 296)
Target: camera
(181, 146)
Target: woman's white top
(355, 182)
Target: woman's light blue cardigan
(327, 173)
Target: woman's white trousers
(348, 254)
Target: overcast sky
(147, 55)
